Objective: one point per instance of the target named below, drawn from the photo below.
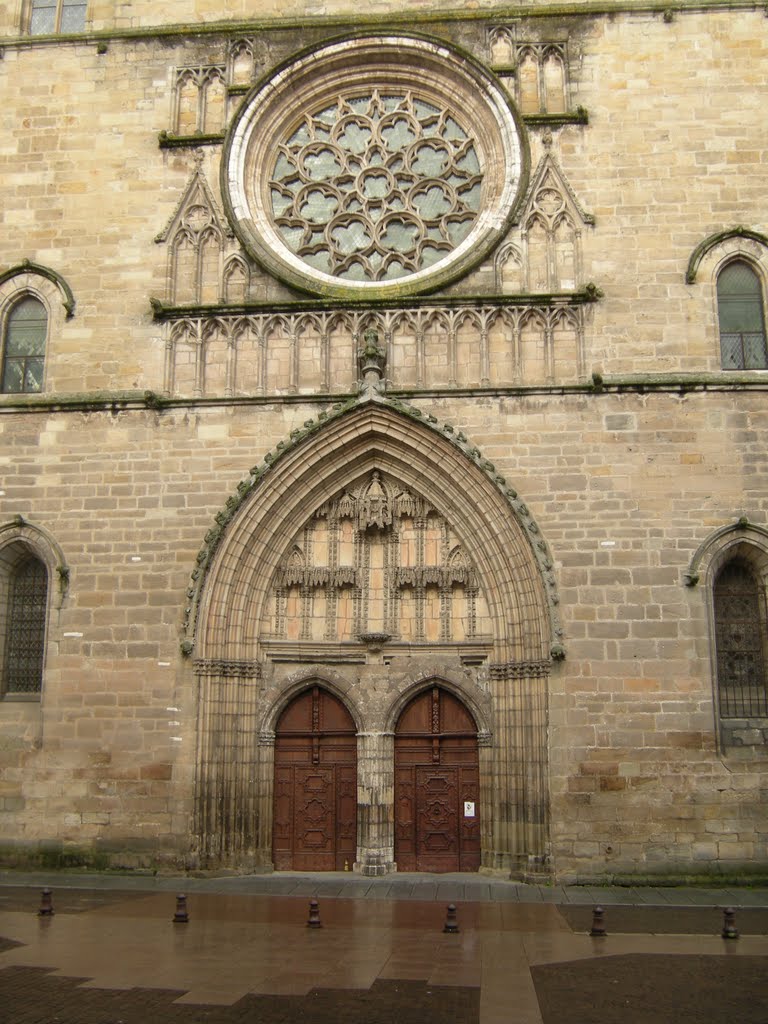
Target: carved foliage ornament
(374, 166)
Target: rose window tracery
(374, 166)
(374, 187)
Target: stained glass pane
(26, 329)
(24, 347)
(13, 376)
(740, 639)
(42, 19)
(33, 375)
(25, 632)
(742, 324)
(73, 17)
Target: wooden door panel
(315, 800)
(437, 820)
(436, 773)
(405, 819)
(346, 816)
(469, 833)
(282, 828)
(314, 821)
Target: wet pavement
(111, 953)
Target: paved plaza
(111, 953)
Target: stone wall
(623, 499)
(626, 474)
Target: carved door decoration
(437, 823)
(315, 807)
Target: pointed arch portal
(384, 547)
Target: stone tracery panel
(427, 346)
(377, 559)
(374, 186)
(374, 166)
(535, 73)
(199, 100)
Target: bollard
(314, 915)
(598, 923)
(730, 931)
(46, 904)
(181, 916)
(451, 924)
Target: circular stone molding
(374, 167)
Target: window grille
(25, 627)
(24, 347)
(740, 635)
(742, 323)
(49, 16)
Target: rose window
(374, 166)
(376, 187)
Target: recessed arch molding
(28, 267)
(245, 676)
(709, 243)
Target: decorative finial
(372, 358)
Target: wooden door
(315, 803)
(437, 786)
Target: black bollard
(181, 916)
(314, 915)
(46, 904)
(598, 923)
(730, 931)
(451, 924)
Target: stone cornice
(163, 311)
(116, 402)
(415, 19)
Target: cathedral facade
(383, 434)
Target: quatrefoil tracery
(376, 187)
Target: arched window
(740, 638)
(742, 322)
(24, 633)
(26, 328)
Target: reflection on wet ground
(115, 954)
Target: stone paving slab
(112, 957)
(653, 989)
(33, 996)
(405, 886)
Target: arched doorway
(315, 807)
(388, 569)
(437, 822)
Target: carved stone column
(375, 803)
(227, 809)
(520, 797)
(264, 787)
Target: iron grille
(25, 633)
(740, 638)
(743, 350)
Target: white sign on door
(469, 808)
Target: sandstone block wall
(626, 480)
